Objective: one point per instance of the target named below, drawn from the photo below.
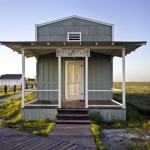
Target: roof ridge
(74, 16)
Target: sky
(130, 17)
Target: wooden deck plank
(75, 133)
(16, 140)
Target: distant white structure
(10, 79)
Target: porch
(75, 104)
(96, 59)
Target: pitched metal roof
(74, 16)
(35, 49)
(10, 76)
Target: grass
(138, 113)
(11, 116)
(9, 91)
(137, 100)
(96, 129)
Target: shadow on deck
(76, 104)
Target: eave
(37, 48)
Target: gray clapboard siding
(91, 31)
(110, 114)
(100, 76)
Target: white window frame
(68, 33)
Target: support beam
(123, 80)
(86, 82)
(23, 77)
(59, 82)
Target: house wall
(49, 113)
(91, 31)
(10, 82)
(100, 76)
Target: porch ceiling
(35, 49)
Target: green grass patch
(12, 108)
(11, 116)
(10, 91)
(96, 129)
(39, 127)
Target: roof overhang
(35, 49)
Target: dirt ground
(124, 139)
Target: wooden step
(73, 116)
(72, 111)
(72, 121)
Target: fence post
(14, 88)
(5, 89)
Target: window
(74, 36)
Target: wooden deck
(77, 104)
(17, 140)
(74, 133)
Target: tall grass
(137, 99)
(12, 108)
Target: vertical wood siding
(106, 114)
(100, 76)
(37, 113)
(91, 31)
(110, 114)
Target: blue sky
(131, 19)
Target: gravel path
(3, 100)
(124, 139)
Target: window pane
(77, 89)
(71, 89)
(71, 73)
(77, 73)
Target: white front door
(74, 79)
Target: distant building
(31, 80)
(10, 79)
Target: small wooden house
(10, 79)
(74, 68)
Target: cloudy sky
(131, 19)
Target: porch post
(23, 77)
(59, 82)
(123, 80)
(86, 82)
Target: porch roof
(37, 48)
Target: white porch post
(123, 80)
(86, 82)
(59, 82)
(23, 77)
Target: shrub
(146, 125)
(96, 117)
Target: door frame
(66, 77)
